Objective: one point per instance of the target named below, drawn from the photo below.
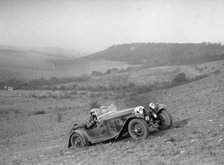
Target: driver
(92, 120)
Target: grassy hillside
(35, 126)
(157, 54)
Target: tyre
(165, 120)
(78, 141)
(138, 129)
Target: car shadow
(181, 123)
(176, 124)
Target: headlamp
(152, 105)
(139, 109)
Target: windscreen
(106, 109)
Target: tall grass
(94, 104)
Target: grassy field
(34, 124)
(147, 77)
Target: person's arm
(92, 123)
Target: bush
(96, 73)
(40, 112)
(217, 72)
(179, 79)
(94, 104)
(59, 117)
(74, 92)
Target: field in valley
(35, 123)
(29, 64)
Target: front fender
(160, 107)
(125, 126)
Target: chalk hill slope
(158, 54)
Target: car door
(99, 130)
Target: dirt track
(197, 135)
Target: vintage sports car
(112, 124)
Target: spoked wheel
(77, 141)
(138, 129)
(165, 120)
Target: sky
(94, 25)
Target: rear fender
(81, 132)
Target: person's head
(93, 112)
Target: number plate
(147, 118)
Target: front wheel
(165, 120)
(138, 129)
(77, 141)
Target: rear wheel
(138, 129)
(165, 120)
(77, 141)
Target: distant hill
(158, 54)
(61, 52)
(30, 58)
(28, 63)
(32, 63)
(44, 51)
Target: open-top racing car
(112, 124)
